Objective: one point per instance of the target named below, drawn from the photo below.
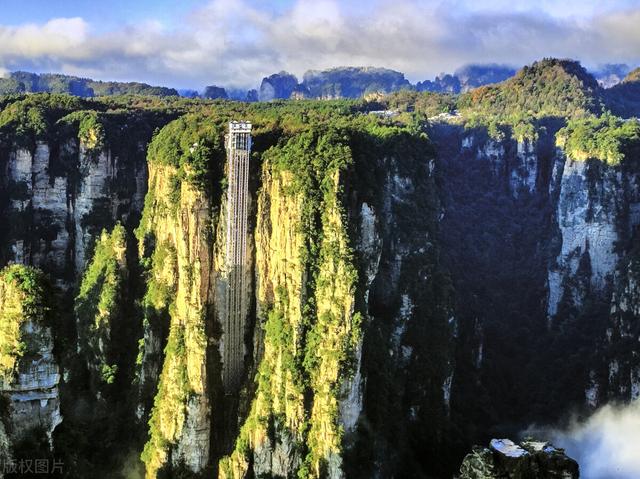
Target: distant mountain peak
(467, 78)
(549, 87)
(565, 66)
(26, 82)
(633, 76)
(611, 74)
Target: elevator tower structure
(238, 145)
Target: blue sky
(110, 13)
(105, 14)
(192, 43)
(115, 12)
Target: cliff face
(98, 307)
(29, 372)
(412, 286)
(537, 234)
(320, 244)
(593, 200)
(181, 233)
(65, 175)
(621, 377)
(60, 194)
(182, 244)
(305, 297)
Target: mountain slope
(25, 82)
(549, 87)
(624, 98)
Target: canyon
(421, 278)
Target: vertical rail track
(238, 145)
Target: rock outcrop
(593, 199)
(467, 78)
(277, 86)
(99, 308)
(213, 92)
(28, 370)
(350, 82)
(176, 233)
(506, 460)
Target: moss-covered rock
(22, 307)
(29, 373)
(99, 305)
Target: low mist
(607, 444)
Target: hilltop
(25, 82)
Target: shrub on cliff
(22, 299)
(606, 138)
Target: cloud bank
(607, 445)
(237, 42)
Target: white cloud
(606, 444)
(233, 42)
(59, 36)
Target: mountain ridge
(336, 82)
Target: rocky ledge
(505, 459)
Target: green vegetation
(90, 127)
(311, 335)
(606, 138)
(26, 120)
(22, 300)
(99, 302)
(549, 87)
(109, 373)
(189, 144)
(170, 403)
(426, 103)
(25, 82)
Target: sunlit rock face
(29, 374)
(34, 394)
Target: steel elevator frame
(238, 146)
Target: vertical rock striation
(182, 242)
(28, 370)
